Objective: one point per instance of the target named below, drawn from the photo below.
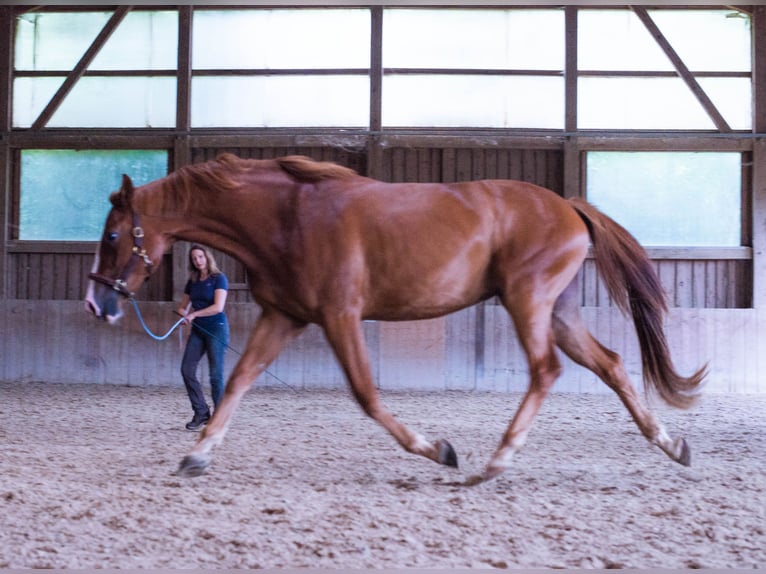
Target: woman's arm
(183, 306)
(219, 302)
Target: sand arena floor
(304, 479)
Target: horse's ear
(124, 197)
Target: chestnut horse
(322, 244)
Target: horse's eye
(111, 236)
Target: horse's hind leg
(344, 332)
(533, 328)
(272, 331)
(573, 337)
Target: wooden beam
(183, 81)
(374, 149)
(82, 65)
(682, 70)
(7, 22)
(759, 156)
(759, 223)
(573, 175)
(570, 69)
(759, 69)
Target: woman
(202, 305)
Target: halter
(138, 252)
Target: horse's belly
(408, 293)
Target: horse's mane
(306, 169)
(218, 174)
(181, 187)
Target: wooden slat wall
(64, 276)
(43, 348)
(716, 284)
(353, 158)
(721, 283)
(542, 167)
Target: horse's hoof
(447, 454)
(192, 466)
(489, 473)
(474, 480)
(685, 457)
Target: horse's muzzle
(103, 303)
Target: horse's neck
(230, 221)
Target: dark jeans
(212, 340)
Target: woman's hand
(188, 317)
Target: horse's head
(125, 258)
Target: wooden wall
(717, 297)
(473, 350)
(56, 276)
(699, 282)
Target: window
(662, 197)
(130, 83)
(281, 68)
(65, 193)
(626, 81)
(473, 68)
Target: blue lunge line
(194, 325)
(148, 332)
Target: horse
(322, 244)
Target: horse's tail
(635, 288)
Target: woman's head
(201, 260)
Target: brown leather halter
(138, 252)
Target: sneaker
(197, 423)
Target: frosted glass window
(142, 41)
(65, 193)
(661, 197)
(283, 101)
(119, 102)
(30, 96)
(617, 40)
(639, 103)
(286, 39)
(733, 99)
(690, 33)
(481, 39)
(706, 40)
(473, 101)
(55, 40)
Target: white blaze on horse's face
(109, 309)
(90, 298)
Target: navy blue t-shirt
(202, 294)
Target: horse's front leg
(272, 331)
(344, 332)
